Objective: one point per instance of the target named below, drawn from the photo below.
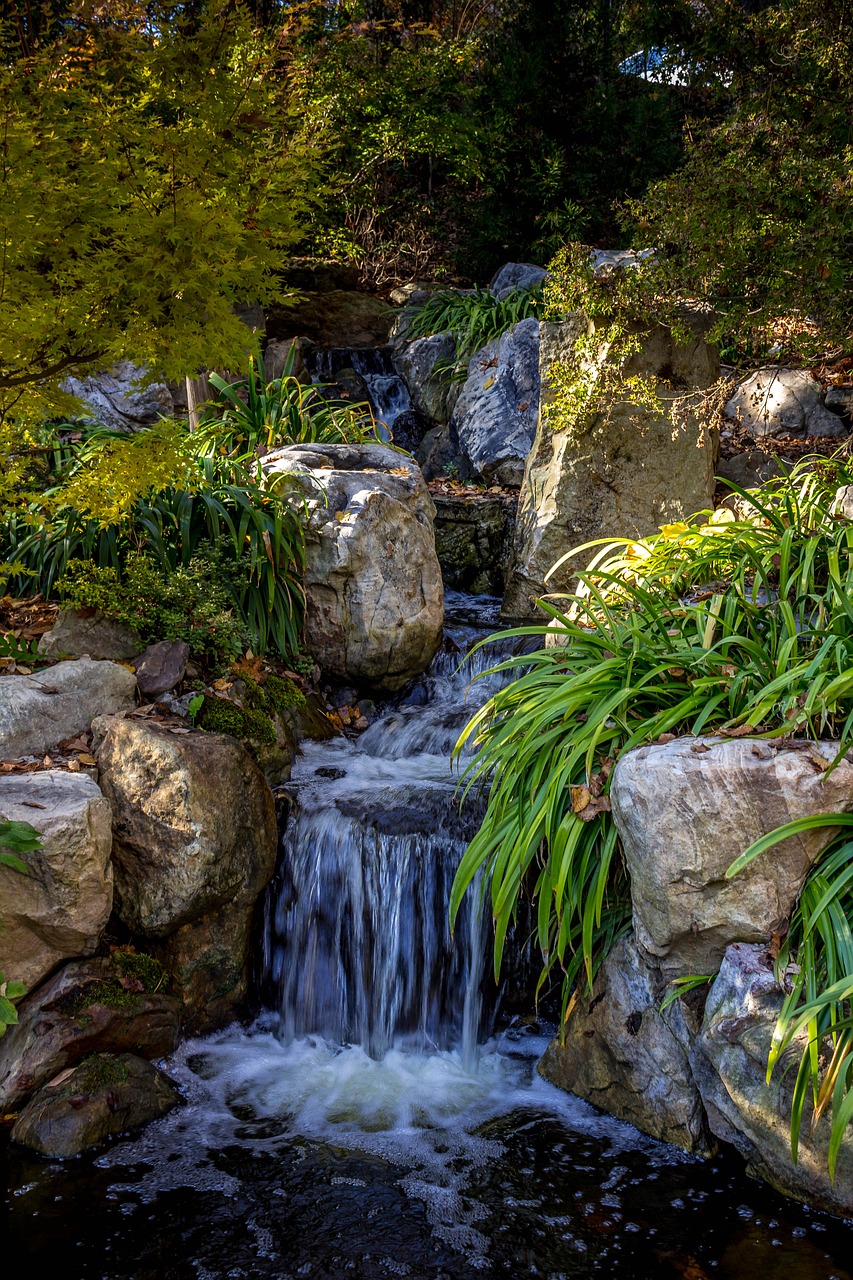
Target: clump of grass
(717, 624)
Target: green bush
(764, 646)
(189, 604)
(252, 539)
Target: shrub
(189, 604)
(716, 625)
(253, 539)
(474, 319)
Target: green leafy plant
(248, 415)
(682, 986)
(190, 604)
(815, 968)
(718, 625)
(474, 319)
(227, 513)
(17, 838)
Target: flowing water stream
(383, 1117)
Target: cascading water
(371, 845)
(353, 1130)
(389, 395)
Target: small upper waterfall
(388, 393)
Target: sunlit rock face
(494, 420)
(60, 909)
(729, 1061)
(620, 470)
(686, 809)
(374, 594)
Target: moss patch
(147, 970)
(282, 694)
(219, 715)
(133, 969)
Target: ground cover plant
(728, 624)
(174, 531)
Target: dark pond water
(310, 1161)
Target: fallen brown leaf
(580, 798)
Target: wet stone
(103, 1097)
(89, 1006)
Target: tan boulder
(686, 809)
(60, 909)
(374, 594)
(621, 471)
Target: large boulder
(374, 595)
(625, 1056)
(104, 1005)
(60, 909)
(193, 821)
(336, 318)
(86, 632)
(516, 276)
(117, 399)
(494, 419)
(618, 470)
(686, 809)
(38, 711)
(432, 393)
(195, 841)
(783, 402)
(729, 1060)
(101, 1098)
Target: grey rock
(495, 416)
(116, 399)
(687, 808)
(60, 909)
(843, 504)
(472, 541)
(729, 1061)
(516, 276)
(618, 471)
(40, 710)
(161, 667)
(749, 470)
(826, 425)
(606, 261)
(102, 1098)
(438, 453)
(432, 394)
(840, 400)
(76, 1012)
(75, 634)
(193, 824)
(626, 1057)
(777, 402)
(374, 595)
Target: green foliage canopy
(154, 170)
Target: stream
(383, 1116)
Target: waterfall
(358, 947)
(388, 393)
